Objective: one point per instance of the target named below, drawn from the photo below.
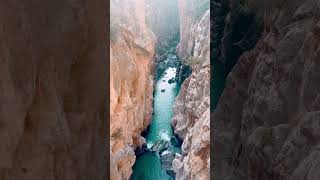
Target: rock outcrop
(53, 90)
(131, 85)
(190, 12)
(191, 119)
(266, 125)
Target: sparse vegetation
(117, 134)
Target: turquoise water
(148, 165)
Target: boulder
(176, 141)
(171, 81)
(166, 160)
(171, 173)
(160, 146)
(176, 164)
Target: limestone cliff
(191, 119)
(266, 125)
(53, 90)
(131, 86)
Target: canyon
(53, 90)
(141, 51)
(266, 122)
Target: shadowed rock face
(266, 125)
(235, 29)
(52, 90)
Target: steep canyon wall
(131, 83)
(191, 119)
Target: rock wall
(131, 83)
(191, 119)
(190, 12)
(52, 90)
(163, 19)
(266, 125)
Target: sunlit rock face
(266, 125)
(190, 12)
(191, 119)
(131, 85)
(53, 90)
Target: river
(148, 165)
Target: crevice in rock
(234, 30)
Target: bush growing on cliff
(117, 134)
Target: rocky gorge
(266, 122)
(150, 62)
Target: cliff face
(190, 12)
(163, 19)
(266, 125)
(52, 90)
(191, 119)
(131, 52)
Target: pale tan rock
(176, 165)
(191, 119)
(130, 84)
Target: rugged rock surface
(266, 125)
(235, 29)
(160, 146)
(53, 90)
(131, 50)
(191, 118)
(166, 161)
(190, 12)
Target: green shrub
(117, 134)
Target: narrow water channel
(148, 165)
